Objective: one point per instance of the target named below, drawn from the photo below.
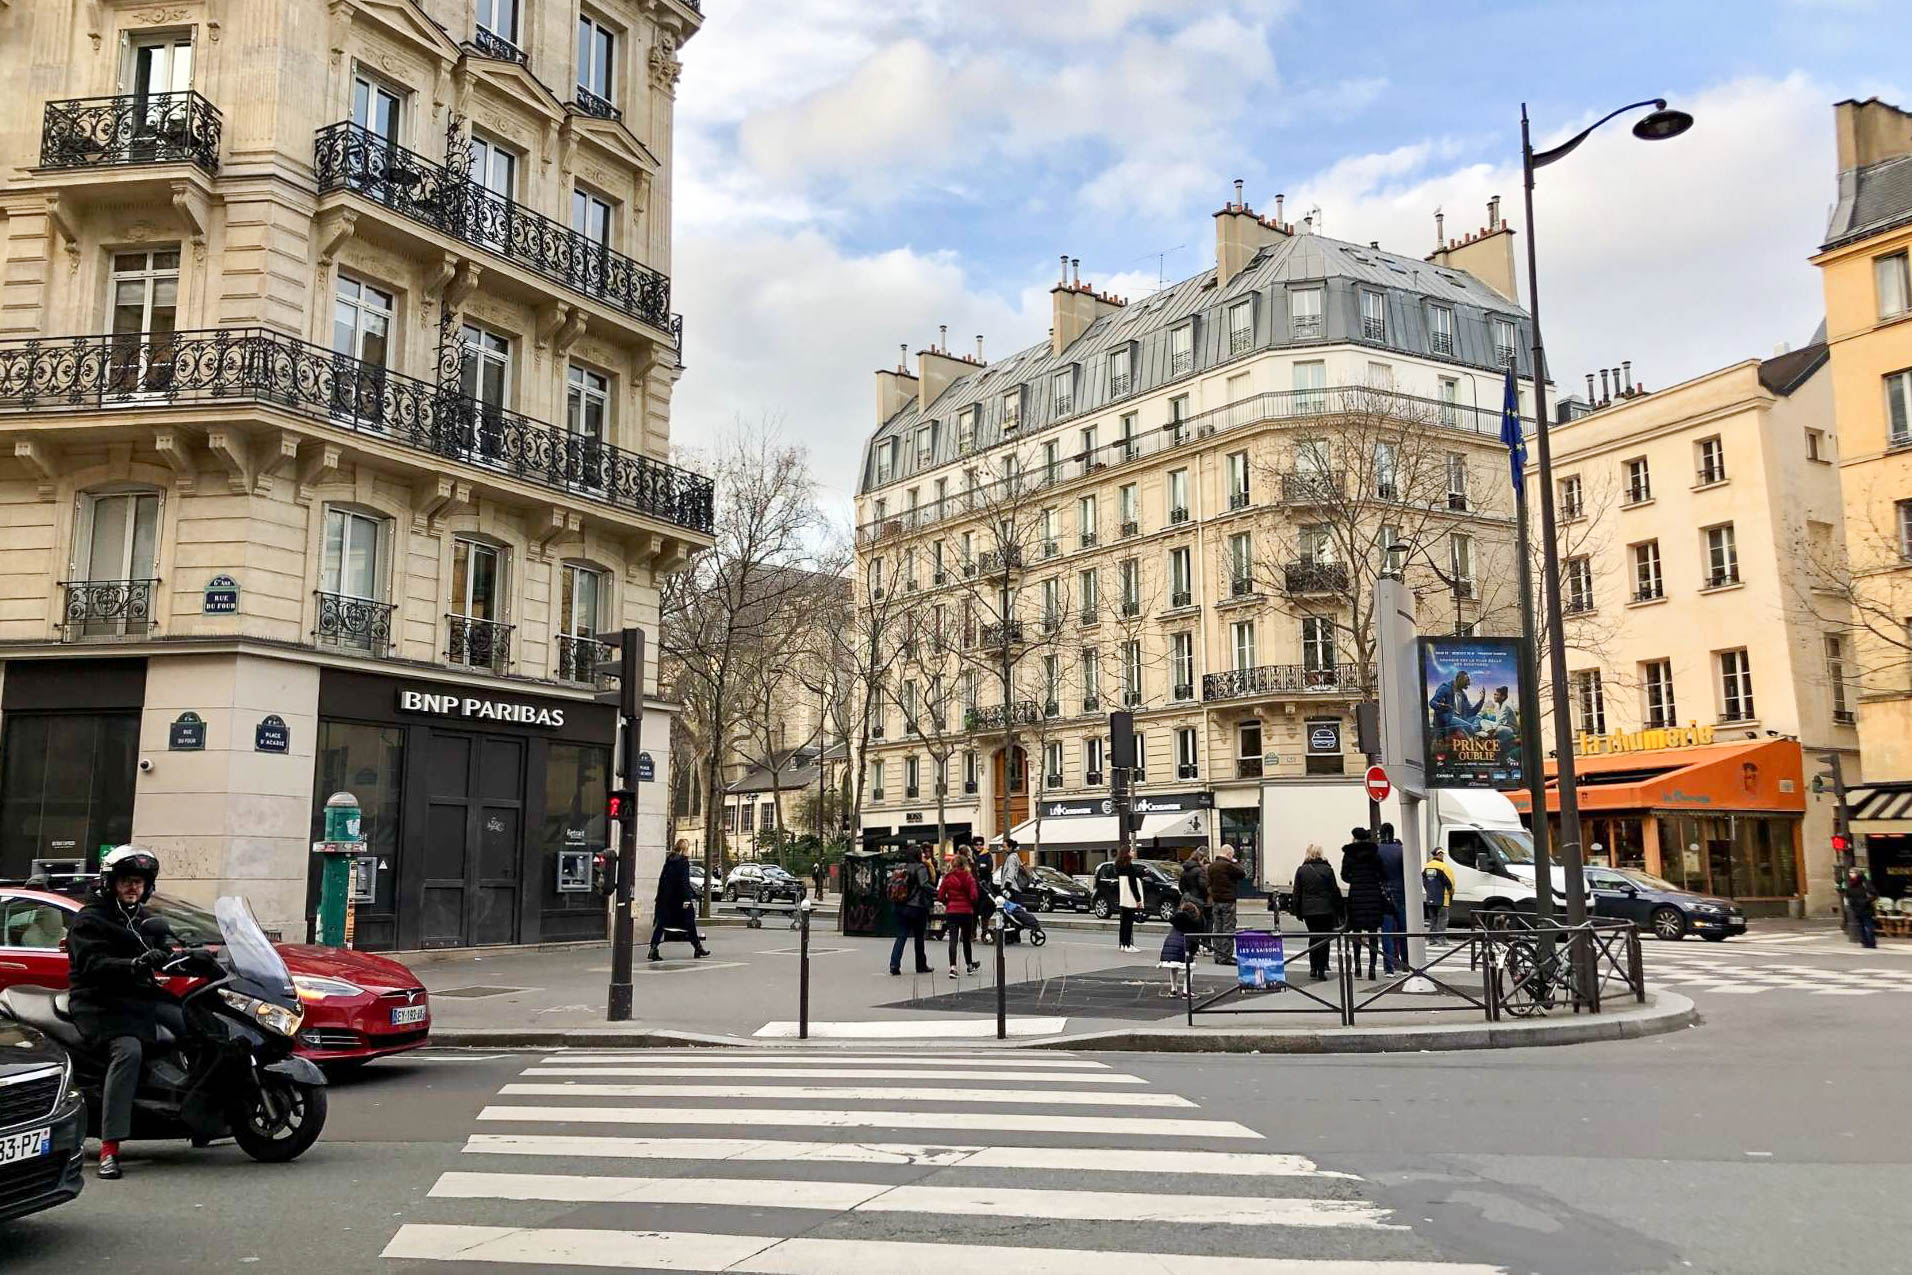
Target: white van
(1478, 829)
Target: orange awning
(1755, 775)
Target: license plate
(25, 1146)
(408, 1015)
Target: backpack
(899, 885)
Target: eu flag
(1510, 431)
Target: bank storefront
(1075, 834)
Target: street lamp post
(1659, 125)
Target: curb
(1668, 1012)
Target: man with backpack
(912, 899)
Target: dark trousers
(1224, 924)
(962, 925)
(1127, 937)
(1868, 927)
(914, 922)
(125, 1056)
(1366, 934)
(1319, 928)
(1393, 927)
(687, 922)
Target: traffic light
(621, 805)
(1841, 843)
(604, 872)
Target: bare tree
(927, 693)
(1858, 590)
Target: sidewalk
(1077, 990)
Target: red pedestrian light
(621, 804)
(1841, 843)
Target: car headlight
(1711, 909)
(274, 1018)
(316, 987)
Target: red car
(357, 1006)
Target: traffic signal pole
(630, 696)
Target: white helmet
(129, 861)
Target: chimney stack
(1075, 268)
(1590, 398)
(895, 388)
(1493, 213)
(1440, 230)
(1488, 255)
(942, 338)
(979, 347)
(1605, 398)
(1626, 373)
(1278, 203)
(1065, 269)
(1239, 205)
(1240, 234)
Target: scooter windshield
(247, 949)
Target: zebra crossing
(1720, 970)
(814, 1162)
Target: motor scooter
(234, 1073)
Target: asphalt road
(1775, 1137)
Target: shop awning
(1885, 807)
(1753, 776)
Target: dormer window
(1304, 312)
(1374, 321)
(1011, 409)
(1181, 350)
(1440, 329)
(1241, 326)
(1062, 392)
(1121, 367)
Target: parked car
(1161, 892)
(762, 883)
(358, 1006)
(1660, 906)
(1049, 890)
(42, 1123)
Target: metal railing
(595, 106)
(224, 366)
(1283, 679)
(477, 643)
(356, 624)
(133, 128)
(492, 45)
(350, 157)
(1312, 488)
(1024, 712)
(106, 608)
(578, 658)
(1314, 577)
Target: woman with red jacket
(959, 892)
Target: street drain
(475, 993)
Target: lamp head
(1661, 124)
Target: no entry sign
(1378, 785)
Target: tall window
(1504, 342)
(1092, 760)
(1241, 644)
(1178, 495)
(1181, 350)
(1904, 508)
(1182, 662)
(1311, 386)
(1579, 582)
(1710, 455)
(1051, 461)
(362, 321)
(500, 18)
(1898, 404)
(1238, 480)
(1126, 429)
(1051, 605)
(1181, 592)
(161, 65)
(1456, 480)
(477, 580)
(1248, 749)
(145, 292)
(350, 564)
(1091, 680)
(1895, 290)
(1647, 584)
(1387, 470)
(1450, 395)
(375, 108)
(1722, 556)
(1460, 563)
(1317, 644)
(591, 216)
(1735, 686)
(1304, 313)
(876, 781)
(1051, 683)
(1440, 329)
(1656, 677)
(1088, 594)
(597, 46)
(1639, 481)
(1131, 575)
(1121, 362)
(1132, 671)
(495, 168)
(1129, 499)
(1052, 764)
(121, 536)
(580, 602)
(1374, 320)
(1062, 392)
(1836, 677)
(1085, 520)
(1589, 701)
(587, 402)
(912, 774)
(1141, 772)
(1241, 326)
(486, 375)
(1572, 499)
(1187, 764)
(1241, 564)
(1010, 405)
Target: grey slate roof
(1784, 373)
(1873, 198)
(1343, 270)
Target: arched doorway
(1017, 783)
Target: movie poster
(1259, 963)
(1470, 692)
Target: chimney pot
(1493, 213)
(1075, 267)
(1605, 398)
(1590, 397)
(1626, 371)
(1238, 198)
(979, 347)
(1440, 229)
(1065, 267)
(903, 356)
(942, 338)
(1278, 199)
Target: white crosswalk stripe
(995, 1161)
(1738, 972)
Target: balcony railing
(1004, 634)
(107, 608)
(1315, 577)
(1025, 712)
(492, 45)
(1248, 768)
(354, 624)
(356, 159)
(136, 128)
(594, 106)
(477, 643)
(578, 658)
(1281, 679)
(1311, 488)
(223, 366)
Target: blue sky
(852, 173)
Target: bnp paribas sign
(478, 708)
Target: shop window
(66, 786)
(368, 762)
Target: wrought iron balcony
(352, 158)
(1248, 768)
(1003, 634)
(1024, 712)
(578, 658)
(492, 45)
(477, 643)
(1314, 577)
(594, 106)
(1007, 558)
(235, 365)
(107, 608)
(1311, 488)
(355, 624)
(1281, 679)
(136, 128)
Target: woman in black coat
(676, 903)
(1367, 899)
(1318, 904)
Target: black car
(762, 883)
(1161, 891)
(1045, 889)
(1660, 906)
(42, 1123)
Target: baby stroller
(1017, 920)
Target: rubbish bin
(866, 907)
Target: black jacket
(1317, 893)
(1224, 881)
(922, 887)
(1361, 869)
(111, 995)
(1195, 882)
(673, 886)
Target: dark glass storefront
(69, 759)
(468, 806)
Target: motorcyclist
(114, 999)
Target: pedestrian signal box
(622, 804)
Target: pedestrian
(1437, 886)
(916, 885)
(1318, 904)
(1178, 948)
(982, 866)
(1394, 892)
(1014, 873)
(676, 904)
(820, 875)
(1194, 886)
(1224, 885)
(959, 892)
(1367, 902)
(1860, 896)
(1130, 898)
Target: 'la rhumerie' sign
(471, 706)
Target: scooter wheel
(279, 1121)
(1038, 938)
(989, 937)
